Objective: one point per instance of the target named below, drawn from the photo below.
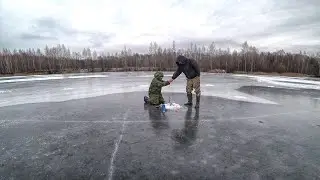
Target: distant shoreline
(238, 72)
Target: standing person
(191, 69)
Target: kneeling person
(155, 95)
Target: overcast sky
(110, 24)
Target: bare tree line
(60, 59)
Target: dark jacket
(187, 66)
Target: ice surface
(41, 88)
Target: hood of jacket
(181, 60)
(158, 75)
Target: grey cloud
(57, 28)
(307, 26)
(98, 39)
(302, 16)
(293, 48)
(53, 26)
(303, 20)
(29, 36)
(2, 37)
(298, 17)
(219, 42)
(48, 22)
(313, 48)
(177, 3)
(297, 4)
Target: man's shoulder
(191, 60)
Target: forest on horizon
(59, 59)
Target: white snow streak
(116, 147)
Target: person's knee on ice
(155, 95)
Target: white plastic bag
(172, 106)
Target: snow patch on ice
(87, 76)
(12, 77)
(290, 82)
(151, 76)
(48, 77)
(66, 89)
(239, 97)
(209, 85)
(144, 86)
(30, 79)
(172, 106)
(5, 91)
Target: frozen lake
(55, 88)
(82, 126)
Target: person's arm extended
(162, 83)
(177, 73)
(195, 66)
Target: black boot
(197, 102)
(189, 103)
(146, 99)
